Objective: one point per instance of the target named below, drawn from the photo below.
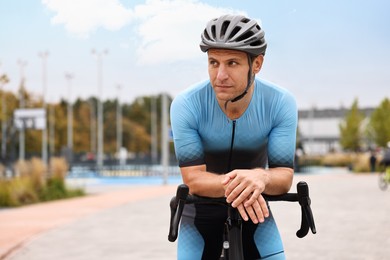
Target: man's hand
(257, 211)
(243, 190)
(244, 185)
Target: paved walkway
(131, 222)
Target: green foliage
(54, 189)
(350, 129)
(17, 192)
(379, 129)
(357, 162)
(21, 191)
(136, 123)
(5, 198)
(30, 188)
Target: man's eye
(233, 63)
(213, 63)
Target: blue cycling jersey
(263, 136)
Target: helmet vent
(213, 31)
(256, 43)
(206, 35)
(224, 27)
(234, 32)
(245, 36)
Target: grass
(34, 183)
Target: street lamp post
(119, 124)
(164, 138)
(99, 57)
(154, 129)
(92, 126)
(43, 56)
(69, 78)
(3, 80)
(52, 119)
(22, 64)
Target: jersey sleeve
(282, 139)
(187, 142)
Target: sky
(327, 53)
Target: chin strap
(251, 78)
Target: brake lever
(177, 205)
(307, 219)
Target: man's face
(228, 72)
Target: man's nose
(222, 73)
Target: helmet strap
(251, 78)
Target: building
(319, 131)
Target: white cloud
(165, 30)
(83, 17)
(170, 30)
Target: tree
(136, 123)
(82, 126)
(350, 129)
(380, 124)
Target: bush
(337, 160)
(2, 171)
(309, 160)
(58, 167)
(5, 199)
(32, 183)
(361, 162)
(357, 162)
(25, 191)
(19, 191)
(54, 189)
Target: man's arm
(244, 184)
(201, 182)
(244, 189)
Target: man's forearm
(279, 180)
(203, 183)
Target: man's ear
(258, 63)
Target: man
(234, 137)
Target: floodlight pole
(118, 124)
(92, 126)
(43, 56)
(69, 78)
(52, 119)
(22, 64)
(3, 80)
(99, 56)
(153, 124)
(164, 139)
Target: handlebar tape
(307, 220)
(177, 205)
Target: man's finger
(235, 194)
(226, 180)
(255, 195)
(258, 211)
(242, 212)
(264, 206)
(252, 214)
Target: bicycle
(232, 248)
(384, 178)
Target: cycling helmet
(234, 32)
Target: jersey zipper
(231, 146)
